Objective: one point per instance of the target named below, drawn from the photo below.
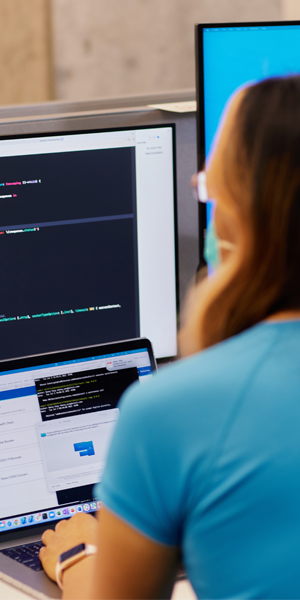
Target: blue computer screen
(236, 56)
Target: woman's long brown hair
(265, 276)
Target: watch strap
(61, 566)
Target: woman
(205, 459)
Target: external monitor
(229, 56)
(88, 249)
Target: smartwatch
(69, 558)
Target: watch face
(76, 550)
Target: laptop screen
(88, 240)
(57, 416)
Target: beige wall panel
(291, 9)
(115, 47)
(25, 63)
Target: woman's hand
(80, 529)
(146, 569)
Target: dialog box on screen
(74, 449)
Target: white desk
(9, 592)
(182, 591)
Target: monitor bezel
(201, 155)
(59, 132)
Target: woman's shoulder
(208, 382)
(228, 360)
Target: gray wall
(117, 47)
(82, 49)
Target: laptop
(58, 412)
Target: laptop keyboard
(27, 555)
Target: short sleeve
(140, 474)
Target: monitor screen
(88, 240)
(231, 56)
(58, 412)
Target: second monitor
(228, 57)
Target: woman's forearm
(78, 580)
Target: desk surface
(182, 591)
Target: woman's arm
(128, 564)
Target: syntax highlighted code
(4, 319)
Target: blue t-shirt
(206, 455)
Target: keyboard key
(28, 555)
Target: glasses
(199, 187)
(200, 193)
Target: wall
(290, 9)
(107, 48)
(25, 54)
(111, 47)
